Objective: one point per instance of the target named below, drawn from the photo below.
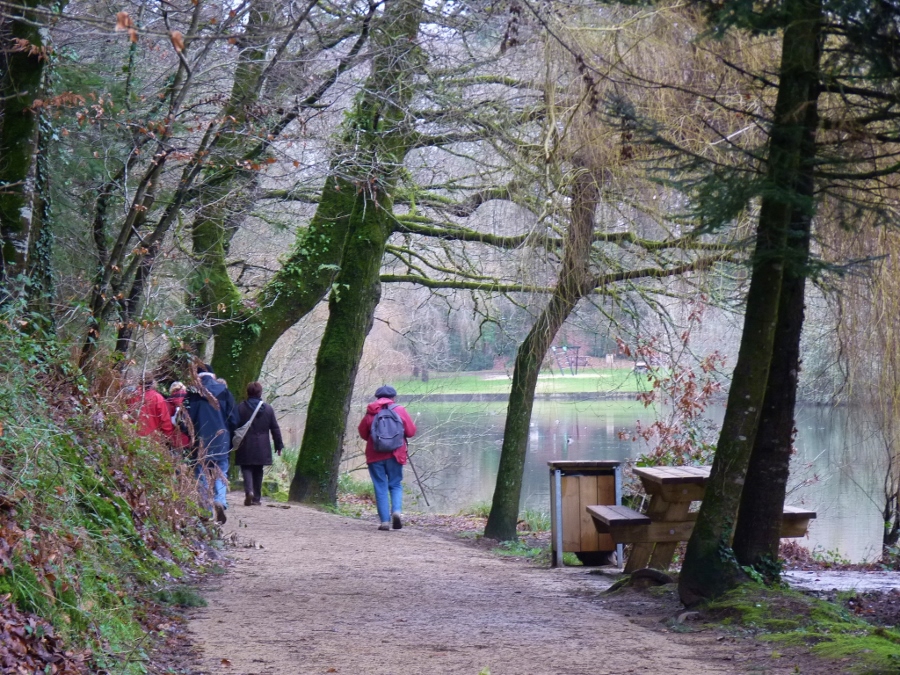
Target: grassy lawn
(614, 380)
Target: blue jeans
(387, 477)
(218, 467)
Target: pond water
(835, 470)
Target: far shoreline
(501, 398)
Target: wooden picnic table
(672, 489)
(668, 519)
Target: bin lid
(574, 464)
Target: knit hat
(387, 391)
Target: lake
(835, 469)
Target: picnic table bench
(669, 520)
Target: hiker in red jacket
(386, 468)
(153, 411)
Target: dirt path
(330, 594)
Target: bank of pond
(837, 470)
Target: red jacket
(365, 432)
(154, 414)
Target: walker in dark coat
(213, 425)
(255, 450)
(213, 428)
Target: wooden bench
(627, 526)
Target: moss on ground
(181, 596)
(792, 618)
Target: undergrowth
(792, 618)
(182, 596)
(348, 484)
(541, 555)
(534, 521)
(92, 518)
(478, 509)
(520, 550)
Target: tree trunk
(219, 195)
(130, 306)
(22, 60)
(222, 192)
(379, 129)
(891, 514)
(574, 282)
(758, 531)
(710, 568)
(351, 311)
(40, 253)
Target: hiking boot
(248, 500)
(220, 514)
(397, 520)
(257, 502)
(384, 526)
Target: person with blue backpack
(385, 428)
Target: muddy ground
(314, 592)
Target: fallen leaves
(29, 645)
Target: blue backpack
(387, 431)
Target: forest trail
(331, 594)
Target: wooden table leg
(640, 553)
(664, 551)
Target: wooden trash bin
(575, 485)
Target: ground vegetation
(93, 521)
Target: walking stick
(416, 474)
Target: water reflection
(835, 469)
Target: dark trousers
(253, 476)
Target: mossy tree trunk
(710, 568)
(758, 531)
(40, 250)
(381, 135)
(23, 58)
(246, 334)
(574, 282)
(351, 310)
(224, 192)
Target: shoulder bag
(242, 430)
